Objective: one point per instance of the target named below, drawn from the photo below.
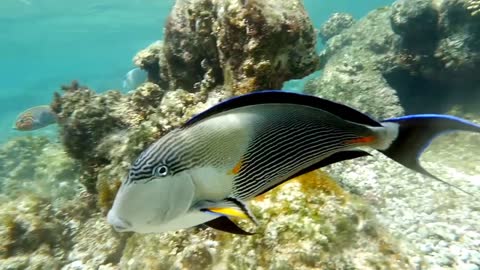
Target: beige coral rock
(242, 45)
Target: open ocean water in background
(47, 43)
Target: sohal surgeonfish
(35, 118)
(204, 172)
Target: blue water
(46, 43)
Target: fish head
(25, 122)
(151, 197)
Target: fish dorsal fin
(334, 158)
(224, 224)
(283, 97)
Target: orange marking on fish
(362, 140)
(261, 198)
(237, 168)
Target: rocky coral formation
(36, 165)
(242, 45)
(25, 229)
(335, 25)
(444, 63)
(152, 59)
(87, 118)
(416, 22)
(421, 53)
(351, 74)
(40, 197)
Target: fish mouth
(118, 224)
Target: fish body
(134, 78)
(204, 172)
(35, 118)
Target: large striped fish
(241, 148)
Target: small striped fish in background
(35, 118)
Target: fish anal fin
(226, 225)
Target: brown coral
(242, 45)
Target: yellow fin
(228, 212)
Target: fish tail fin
(409, 136)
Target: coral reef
(422, 54)
(29, 226)
(416, 22)
(438, 52)
(95, 235)
(87, 118)
(152, 59)
(335, 25)
(36, 165)
(351, 73)
(241, 45)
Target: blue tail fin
(415, 133)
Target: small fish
(35, 118)
(203, 173)
(134, 78)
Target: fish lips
(118, 224)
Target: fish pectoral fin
(231, 212)
(224, 224)
(230, 207)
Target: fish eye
(161, 170)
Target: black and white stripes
(285, 145)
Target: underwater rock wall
(240, 45)
(352, 61)
(421, 54)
